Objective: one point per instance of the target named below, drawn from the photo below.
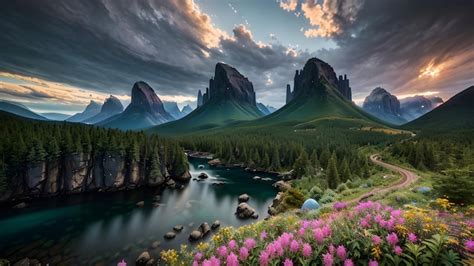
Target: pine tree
(345, 170)
(332, 175)
(155, 165)
(324, 158)
(300, 164)
(314, 159)
(276, 165)
(265, 160)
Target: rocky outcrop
(112, 106)
(383, 105)
(83, 172)
(308, 81)
(244, 211)
(199, 99)
(289, 93)
(92, 109)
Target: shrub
(457, 188)
(341, 187)
(316, 193)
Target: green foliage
(316, 193)
(341, 187)
(332, 174)
(300, 164)
(292, 199)
(458, 189)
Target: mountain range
(112, 106)
(92, 109)
(390, 109)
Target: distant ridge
(19, 110)
(455, 114)
(92, 109)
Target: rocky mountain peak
(112, 105)
(309, 80)
(144, 97)
(380, 100)
(228, 84)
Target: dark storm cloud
(108, 45)
(389, 42)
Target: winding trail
(408, 177)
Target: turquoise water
(106, 227)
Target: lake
(103, 228)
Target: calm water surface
(106, 227)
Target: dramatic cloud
(330, 17)
(108, 45)
(289, 5)
(391, 43)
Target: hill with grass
(455, 114)
(230, 98)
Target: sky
(56, 56)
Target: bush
(316, 193)
(341, 187)
(457, 188)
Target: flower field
(367, 234)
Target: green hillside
(455, 114)
(211, 115)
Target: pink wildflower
(328, 259)
(285, 239)
(195, 263)
(376, 240)
(469, 245)
(318, 235)
(222, 251)
(198, 256)
(373, 263)
(341, 252)
(339, 205)
(249, 243)
(396, 213)
(294, 246)
(412, 238)
(331, 249)
(263, 235)
(305, 224)
(264, 258)
(307, 250)
(390, 224)
(301, 231)
(364, 223)
(326, 231)
(232, 244)
(232, 260)
(215, 261)
(398, 250)
(288, 262)
(392, 239)
(348, 262)
(243, 253)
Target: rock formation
(384, 106)
(229, 85)
(289, 95)
(199, 99)
(92, 109)
(145, 110)
(84, 172)
(315, 71)
(112, 106)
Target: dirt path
(408, 178)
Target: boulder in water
(244, 211)
(244, 198)
(170, 235)
(195, 235)
(203, 176)
(143, 259)
(215, 224)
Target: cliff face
(315, 71)
(83, 172)
(416, 106)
